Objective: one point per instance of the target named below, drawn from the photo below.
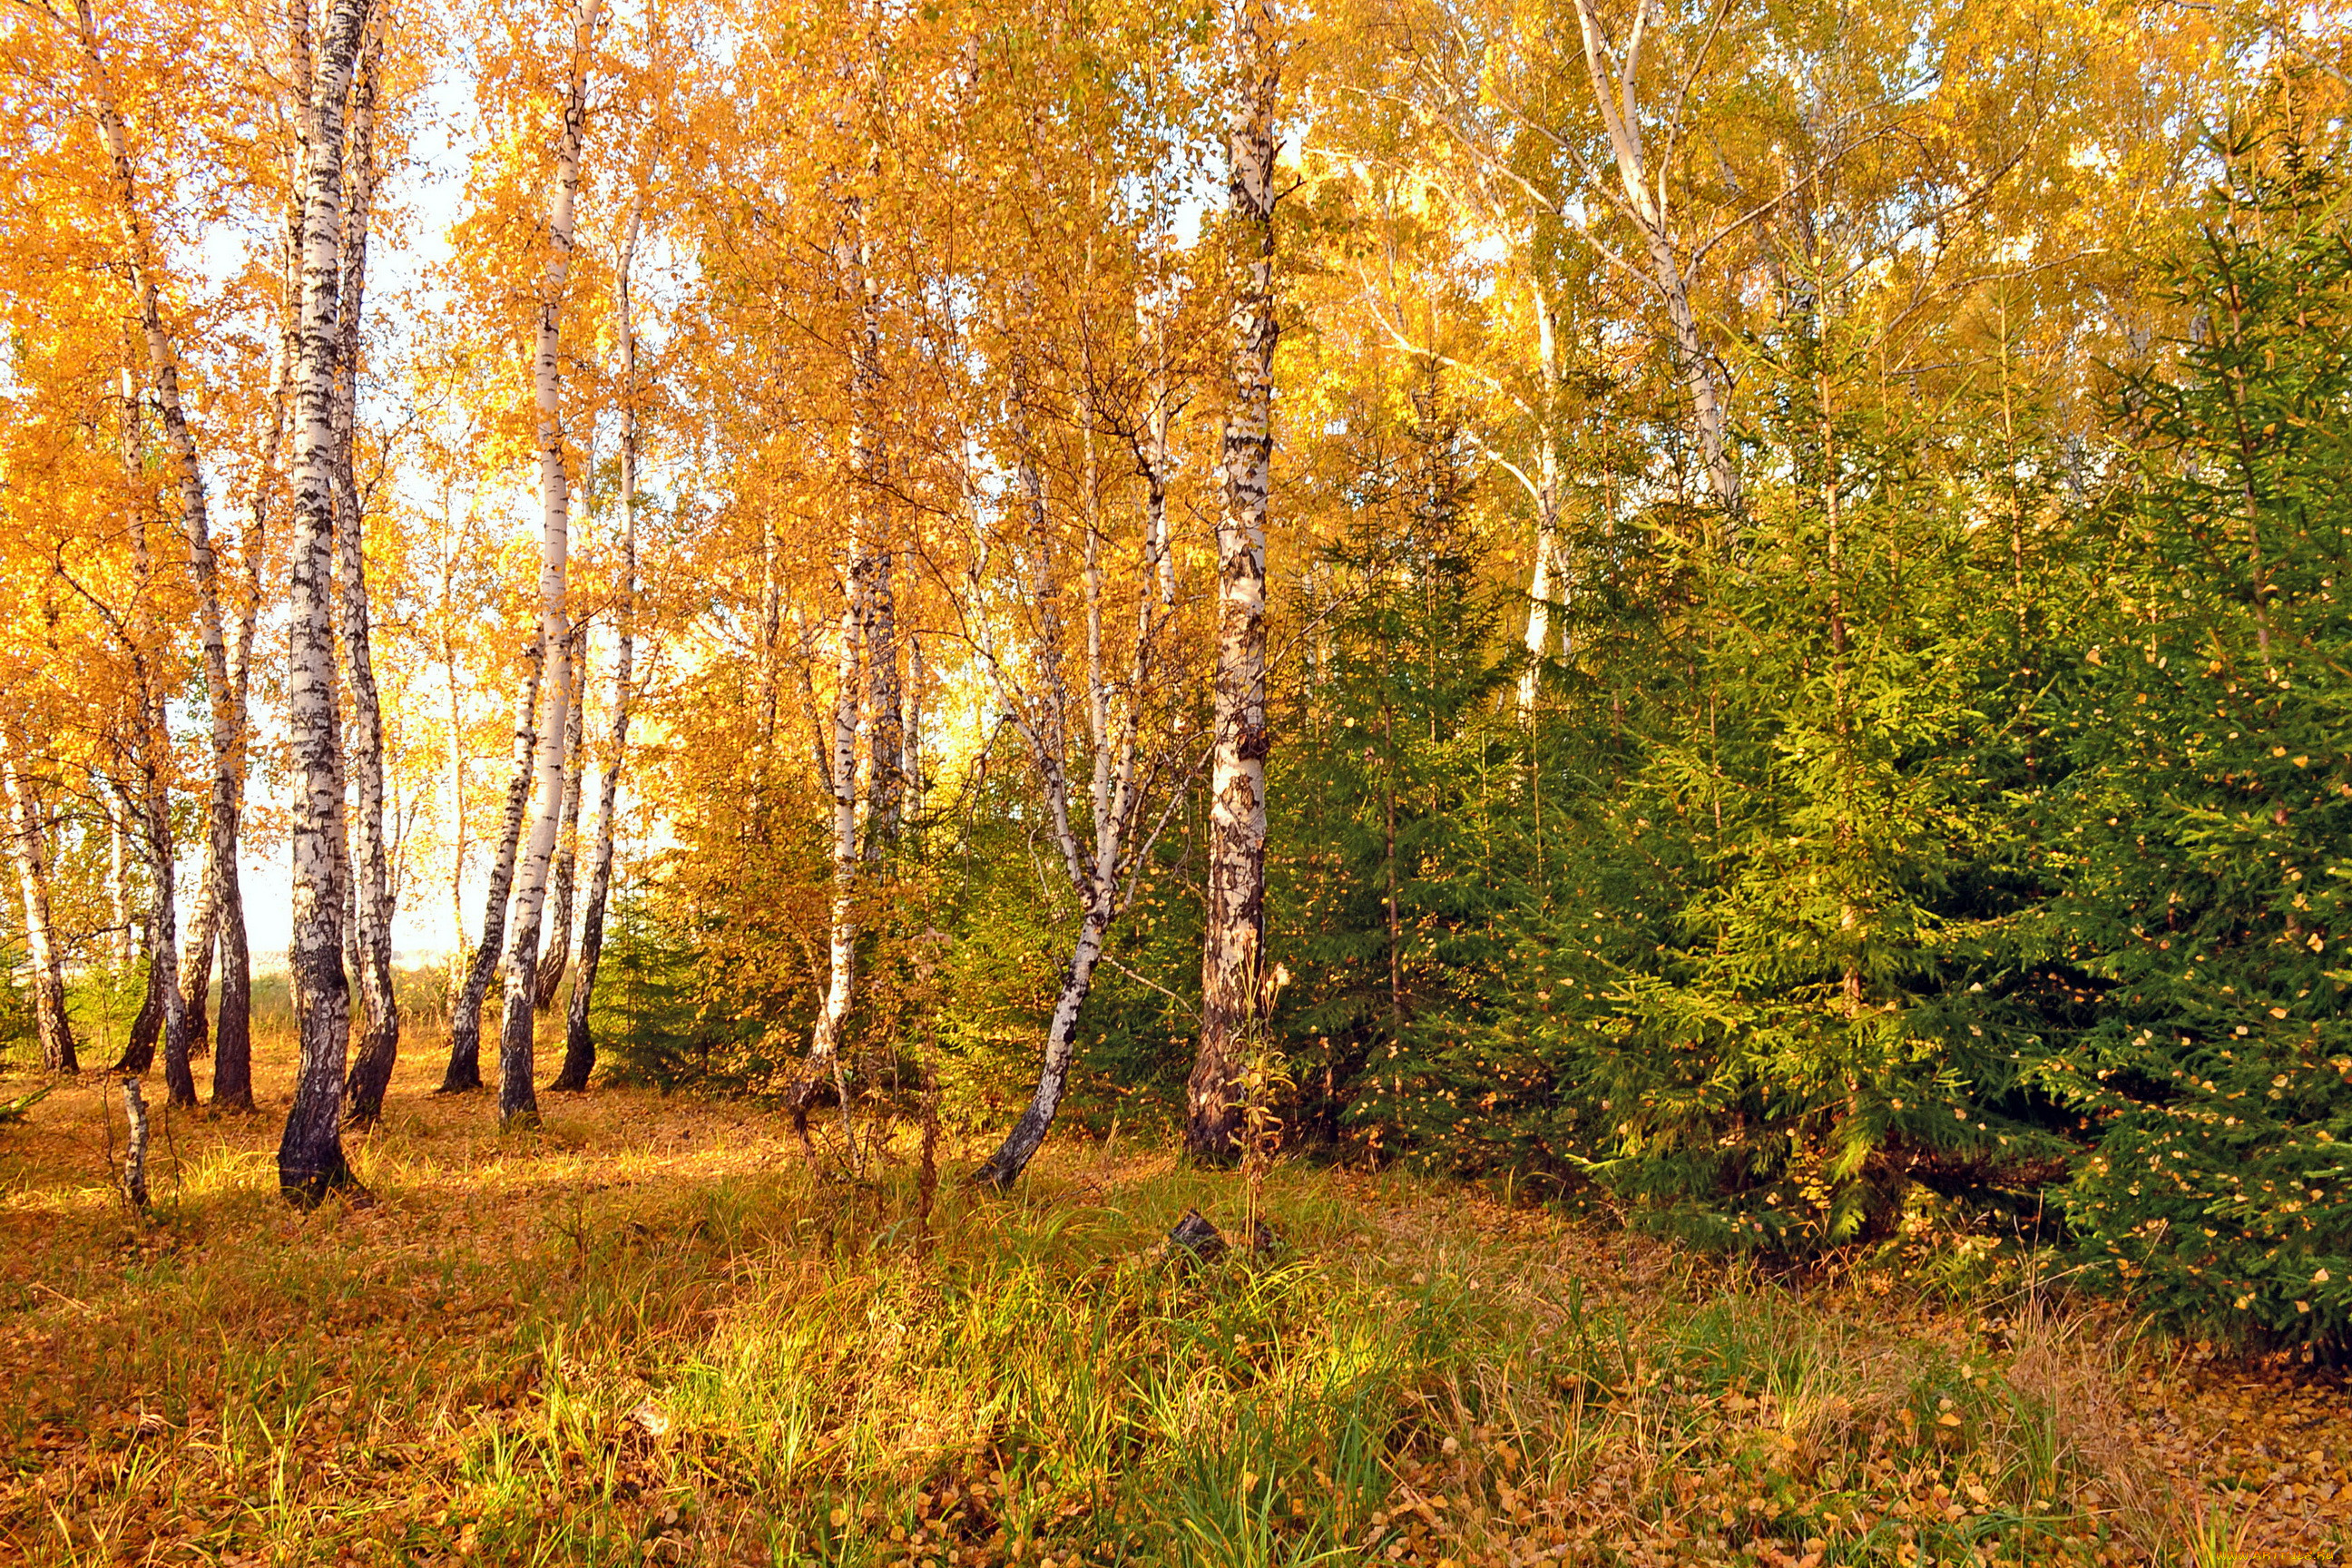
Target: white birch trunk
(558, 955)
(464, 1069)
(371, 877)
(518, 1096)
(28, 851)
(118, 898)
(1102, 866)
(863, 561)
(579, 1043)
(1613, 93)
(1542, 585)
(1232, 953)
(310, 1156)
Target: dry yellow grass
(645, 1333)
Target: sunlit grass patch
(645, 1333)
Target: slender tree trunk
(150, 753)
(152, 750)
(118, 897)
(371, 877)
(1233, 956)
(1103, 866)
(163, 372)
(1614, 78)
(233, 1046)
(912, 734)
(310, 1154)
(28, 849)
(1028, 1133)
(465, 1071)
(579, 1043)
(146, 1025)
(863, 561)
(558, 956)
(179, 1080)
(518, 1095)
(886, 791)
(823, 1063)
(451, 539)
(886, 762)
(456, 765)
(1542, 587)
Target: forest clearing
(642, 1335)
(1237, 783)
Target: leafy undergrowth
(646, 1335)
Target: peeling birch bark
(370, 871)
(1233, 954)
(310, 1154)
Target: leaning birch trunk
(464, 1070)
(26, 847)
(152, 747)
(1232, 953)
(1047, 734)
(825, 1062)
(1613, 90)
(163, 371)
(1542, 587)
(370, 879)
(558, 955)
(310, 1154)
(151, 756)
(1103, 869)
(518, 1096)
(579, 1043)
(1028, 1134)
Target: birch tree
(311, 1155)
(558, 956)
(579, 1043)
(27, 848)
(1233, 955)
(163, 355)
(1122, 744)
(517, 1097)
(863, 569)
(363, 737)
(148, 745)
(464, 1069)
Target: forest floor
(646, 1335)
